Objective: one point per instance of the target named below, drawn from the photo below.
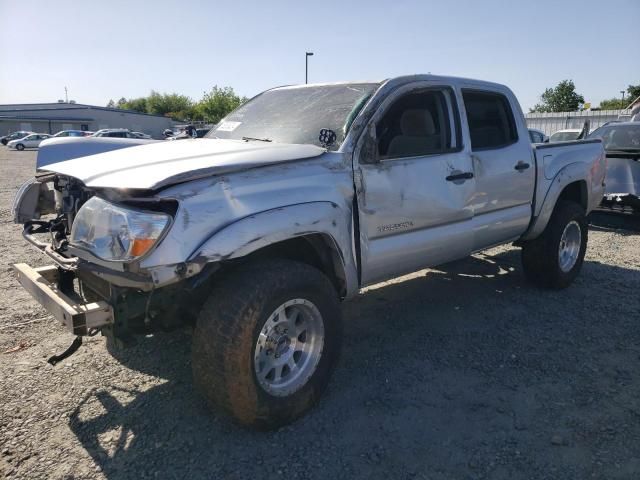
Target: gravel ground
(459, 372)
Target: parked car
(186, 133)
(115, 132)
(566, 135)
(14, 136)
(72, 133)
(290, 206)
(621, 142)
(140, 135)
(30, 141)
(537, 136)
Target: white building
(53, 117)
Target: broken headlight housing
(115, 233)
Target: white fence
(552, 122)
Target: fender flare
(259, 230)
(574, 172)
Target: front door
(414, 185)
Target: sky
(113, 49)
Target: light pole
(306, 66)
(622, 92)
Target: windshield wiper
(246, 139)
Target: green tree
(135, 104)
(178, 107)
(633, 93)
(613, 104)
(111, 104)
(217, 103)
(562, 98)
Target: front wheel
(554, 259)
(266, 342)
(20, 147)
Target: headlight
(115, 233)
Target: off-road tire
(20, 147)
(540, 257)
(227, 330)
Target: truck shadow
(439, 369)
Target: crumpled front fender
(260, 230)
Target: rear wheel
(20, 147)
(554, 259)
(266, 342)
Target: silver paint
(237, 197)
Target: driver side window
(417, 124)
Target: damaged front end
(97, 241)
(623, 181)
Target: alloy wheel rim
(289, 347)
(569, 248)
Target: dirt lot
(460, 372)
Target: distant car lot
(30, 141)
(14, 136)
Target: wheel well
(317, 250)
(576, 192)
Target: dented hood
(157, 165)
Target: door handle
(520, 166)
(460, 176)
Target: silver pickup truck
(297, 200)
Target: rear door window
(491, 121)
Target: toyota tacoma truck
(294, 202)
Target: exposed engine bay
(49, 207)
(51, 195)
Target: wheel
(554, 259)
(20, 147)
(266, 342)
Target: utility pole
(622, 92)
(306, 66)
(66, 97)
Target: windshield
(296, 114)
(618, 136)
(564, 136)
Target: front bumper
(78, 318)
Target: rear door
(414, 184)
(503, 166)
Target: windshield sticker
(228, 126)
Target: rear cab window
(490, 119)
